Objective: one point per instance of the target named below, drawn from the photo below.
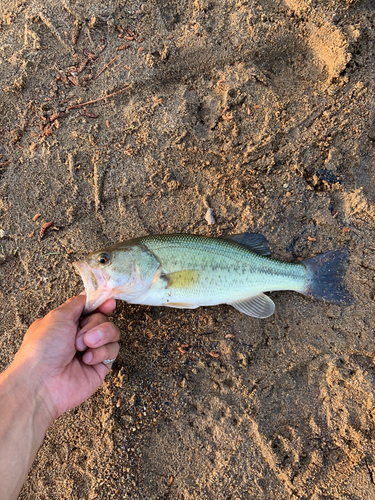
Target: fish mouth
(96, 286)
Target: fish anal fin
(185, 279)
(256, 242)
(258, 306)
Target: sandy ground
(263, 111)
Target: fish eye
(103, 258)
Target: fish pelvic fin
(325, 277)
(180, 305)
(258, 306)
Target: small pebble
(209, 217)
(2, 233)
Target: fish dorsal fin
(184, 279)
(256, 242)
(259, 306)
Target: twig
(100, 99)
(105, 67)
(370, 471)
(44, 228)
(65, 100)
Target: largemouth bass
(188, 271)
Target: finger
(102, 370)
(100, 354)
(92, 319)
(107, 307)
(105, 333)
(72, 309)
(88, 323)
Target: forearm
(24, 420)
(47, 378)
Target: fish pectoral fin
(256, 242)
(259, 306)
(182, 279)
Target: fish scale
(226, 267)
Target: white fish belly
(219, 288)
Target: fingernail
(94, 337)
(87, 357)
(80, 344)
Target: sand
(262, 111)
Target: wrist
(26, 390)
(23, 424)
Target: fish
(188, 271)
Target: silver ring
(108, 361)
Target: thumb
(72, 309)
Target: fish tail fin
(325, 277)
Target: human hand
(51, 357)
